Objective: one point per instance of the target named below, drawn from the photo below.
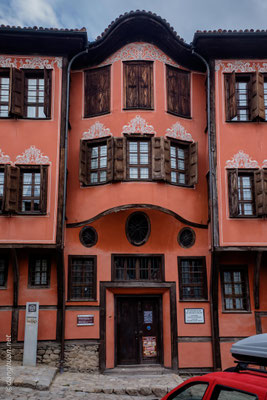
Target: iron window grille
(192, 278)
(3, 271)
(39, 271)
(82, 278)
(235, 290)
(137, 268)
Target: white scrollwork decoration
(4, 158)
(139, 51)
(30, 62)
(241, 160)
(32, 155)
(264, 164)
(97, 130)
(138, 125)
(177, 131)
(240, 66)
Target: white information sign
(31, 332)
(194, 316)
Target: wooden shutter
(97, 91)
(256, 97)
(16, 92)
(12, 181)
(158, 172)
(47, 92)
(167, 160)
(119, 159)
(230, 96)
(178, 91)
(83, 168)
(109, 159)
(233, 192)
(145, 89)
(260, 182)
(264, 184)
(192, 164)
(131, 74)
(44, 186)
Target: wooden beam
(137, 206)
(214, 283)
(15, 310)
(257, 280)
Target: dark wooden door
(138, 330)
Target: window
(2, 183)
(235, 290)
(225, 393)
(192, 391)
(138, 85)
(34, 100)
(247, 193)
(179, 163)
(96, 161)
(178, 91)
(4, 93)
(82, 278)
(245, 97)
(97, 91)
(39, 271)
(137, 267)
(25, 189)
(192, 278)
(3, 271)
(138, 159)
(137, 228)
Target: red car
(237, 383)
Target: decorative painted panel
(241, 160)
(139, 51)
(4, 159)
(32, 156)
(96, 130)
(138, 125)
(177, 131)
(240, 66)
(30, 63)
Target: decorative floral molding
(4, 159)
(177, 131)
(241, 160)
(30, 63)
(97, 130)
(138, 125)
(240, 66)
(264, 164)
(139, 51)
(32, 156)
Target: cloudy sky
(186, 16)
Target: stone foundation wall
(79, 356)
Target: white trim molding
(4, 158)
(264, 164)
(241, 160)
(97, 130)
(30, 63)
(177, 131)
(32, 155)
(138, 125)
(240, 66)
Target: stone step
(138, 370)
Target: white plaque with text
(194, 316)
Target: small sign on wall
(85, 320)
(194, 316)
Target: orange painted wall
(18, 135)
(251, 138)
(6, 294)
(5, 323)
(198, 355)
(72, 331)
(46, 325)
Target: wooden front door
(138, 330)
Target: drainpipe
(64, 202)
(214, 273)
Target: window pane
(94, 177)
(94, 152)
(143, 158)
(173, 177)
(144, 173)
(133, 158)
(133, 173)
(143, 147)
(103, 176)
(94, 163)
(194, 392)
(173, 163)
(226, 394)
(103, 162)
(133, 147)
(182, 178)
(103, 150)
(30, 112)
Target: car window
(226, 393)
(195, 391)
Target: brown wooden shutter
(83, 167)
(256, 97)
(47, 92)
(233, 192)
(178, 91)
(230, 96)
(109, 159)
(44, 186)
(12, 181)
(97, 91)
(264, 183)
(167, 160)
(131, 74)
(16, 92)
(158, 172)
(259, 194)
(192, 164)
(119, 159)
(145, 85)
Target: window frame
(182, 285)
(139, 255)
(245, 296)
(5, 258)
(38, 75)
(2, 170)
(150, 65)
(31, 270)
(99, 70)
(93, 284)
(139, 139)
(5, 73)
(179, 144)
(177, 94)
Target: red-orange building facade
(152, 153)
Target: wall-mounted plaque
(85, 320)
(148, 317)
(194, 316)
